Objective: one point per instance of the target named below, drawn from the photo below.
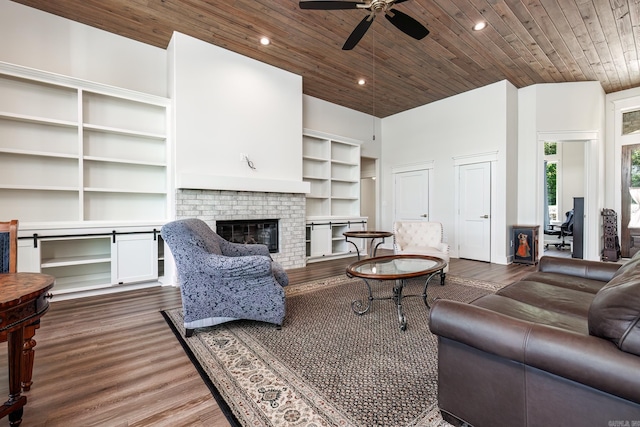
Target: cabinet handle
(485, 216)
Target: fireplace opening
(251, 231)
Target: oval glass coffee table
(395, 268)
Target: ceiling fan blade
(329, 5)
(358, 32)
(407, 24)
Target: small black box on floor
(525, 244)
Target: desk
(373, 235)
(23, 301)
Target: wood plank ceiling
(525, 42)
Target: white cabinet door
(320, 239)
(28, 257)
(134, 258)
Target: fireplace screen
(264, 231)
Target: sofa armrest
(480, 328)
(595, 270)
(586, 359)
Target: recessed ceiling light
(480, 26)
(264, 41)
(362, 82)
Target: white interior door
(475, 212)
(412, 195)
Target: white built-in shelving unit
(85, 169)
(331, 165)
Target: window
(630, 200)
(634, 186)
(551, 158)
(631, 122)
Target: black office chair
(566, 229)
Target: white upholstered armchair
(422, 238)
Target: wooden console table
(23, 301)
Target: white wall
(43, 41)
(334, 119)
(572, 171)
(226, 104)
(472, 123)
(561, 112)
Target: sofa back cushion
(614, 313)
(630, 265)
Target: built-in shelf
(92, 259)
(82, 160)
(61, 134)
(325, 239)
(331, 165)
(37, 120)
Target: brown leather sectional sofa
(561, 347)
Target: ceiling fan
(400, 20)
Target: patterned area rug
(328, 366)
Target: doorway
(411, 190)
(369, 191)
(564, 183)
(474, 201)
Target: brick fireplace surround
(218, 205)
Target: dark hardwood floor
(112, 360)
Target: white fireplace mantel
(238, 183)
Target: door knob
(424, 215)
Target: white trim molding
(592, 190)
(238, 183)
(468, 159)
(413, 167)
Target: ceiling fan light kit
(398, 19)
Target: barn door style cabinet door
(134, 258)
(77, 156)
(325, 238)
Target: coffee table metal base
(358, 306)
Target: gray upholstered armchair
(222, 281)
